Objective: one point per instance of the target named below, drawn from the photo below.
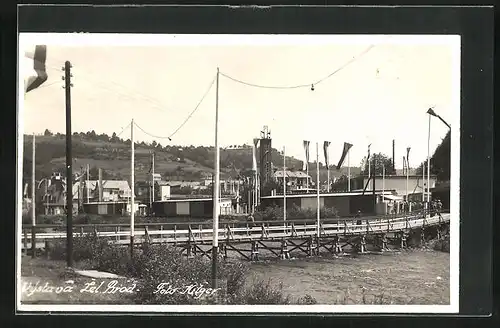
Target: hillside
(112, 155)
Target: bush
(86, 247)
(157, 264)
(296, 213)
(307, 300)
(263, 292)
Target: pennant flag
(368, 157)
(326, 144)
(35, 72)
(347, 146)
(408, 157)
(306, 148)
(405, 169)
(254, 155)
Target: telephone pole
(132, 187)
(215, 198)
(33, 202)
(69, 163)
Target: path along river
(408, 277)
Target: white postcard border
(100, 39)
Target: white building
(394, 182)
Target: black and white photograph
(238, 173)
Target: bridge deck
(240, 232)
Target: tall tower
(266, 172)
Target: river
(408, 277)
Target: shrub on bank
(153, 265)
(295, 213)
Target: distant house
(162, 190)
(112, 190)
(395, 182)
(175, 186)
(295, 180)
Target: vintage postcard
(238, 173)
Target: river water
(408, 277)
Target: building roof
(392, 176)
(183, 183)
(290, 174)
(191, 200)
(338, 194)
(107, 184)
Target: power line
(195, 109)
(185, 121)
(307, 85)
(123, 130)
(149, 134)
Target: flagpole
(383, 183)
(369, 167)
(254, 161)
(215, 207)
(87, 184)
(429, 163)
(284, 184)
(423, 182)
(349, 171)
(307, 170)
(132, 182)
(153, 182)
(327, 178)
(317, 194)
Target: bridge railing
(165, 232)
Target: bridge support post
(284, 250)
(384, 243)
(362, 244)
(254, 255)
(26, 242)
(223, 250)
(402, 238)
(311, 247)
(337, 249)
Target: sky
(383, 94)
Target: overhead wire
(185, 121)
(306, 85)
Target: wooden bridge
(279, 238)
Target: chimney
(393, 156)
(100, 185)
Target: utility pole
(33, 202)
(349, 170)
(69, 163)
(215, 234)
(87, 184)
(132, 196)
(153, 183)
(318, 210)
(429, 165)
(284, 184)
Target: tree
(94, 174)
(378, 161)
(47, 133)
(440, 160)
(340, 184)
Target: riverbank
(410, 277)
